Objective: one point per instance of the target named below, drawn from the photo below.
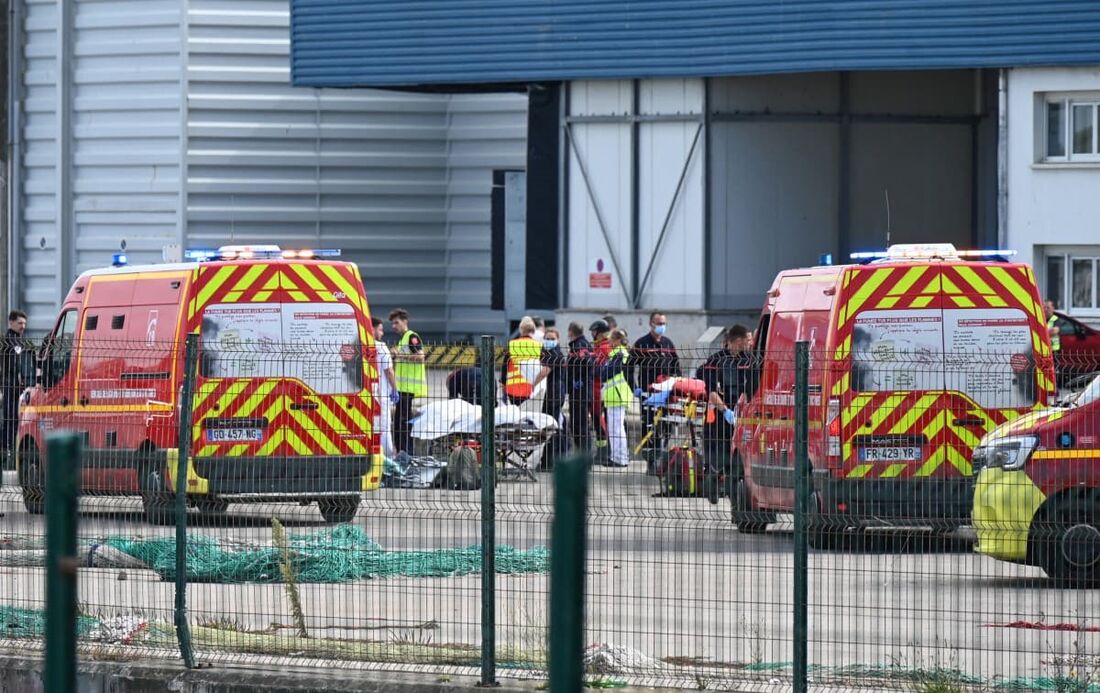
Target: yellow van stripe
(960, 462)
(909, 418)
(273, 442)
(907, 281)
(975, 281)
(316, 434)
(922, 301)
(1022, 297)
(949, 287)
(221, 275)
(245, 283)
(295, 442)
(859, 471)
(893, 470)
(311, 280)
(860, 297)
(338, 279)
(932, 464)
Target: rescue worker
(601, 351)
(652, 360)
(1055, 333)
(554, 373)
(578, 367)
(411, 376)
(730, 379)
(612, 323)
(465, 384)
(616, 396)
(385, 389)
(540, 329)
(522, 364)
(16, 374)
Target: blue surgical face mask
(550, 343)
(660, 330)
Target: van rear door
(283, 371)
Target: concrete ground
(674, 592)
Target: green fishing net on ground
(342, 554)
(17, 622)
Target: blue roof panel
(453, 42)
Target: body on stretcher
(517, 434)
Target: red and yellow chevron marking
(329, 424)
(339, 425)
(928, 416)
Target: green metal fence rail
(902, 518)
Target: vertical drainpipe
(14, 168)
(563, 198)
(1002, 158)
(635, 201)
(843, 185)
(64, 208)
(706, 196)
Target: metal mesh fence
(952, 510)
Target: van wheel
(30, 478)
(748, 521)
(158, 503)
(822, 532)
(340, 509)
(1070, 543)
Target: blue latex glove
(637, 392)
(729, 416)
(395, 396)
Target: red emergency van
(281, 407)
(1037, 497)
(914, 356)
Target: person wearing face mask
(554, 373)
(652, 360)
(730, 378)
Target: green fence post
(567, 556)
(488, 514)
(183, 629)
(62, 494)
(801, 514)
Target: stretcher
(517, 434)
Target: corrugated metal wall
(400, 181)
(380, 42)
(116, 133)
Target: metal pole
(488, 514)
(801, 512)
(62, 494)
(183, 629)
(567, 556)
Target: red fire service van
(281, 405)
(914, 356)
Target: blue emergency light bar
(258, 252)
(119, 260)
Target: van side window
(90, 322)
(60, 349)
(117, 321)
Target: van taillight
(832, 426)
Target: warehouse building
(703, 146)
(140, 123)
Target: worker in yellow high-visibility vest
(1055, 334)
(617, 396)
(411, 376)
(522, 364)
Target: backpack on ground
(464, 468)
(681, 473)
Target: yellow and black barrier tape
(452, 356)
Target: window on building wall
(1073, 280)
(1072, 128)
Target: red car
(1080, 353)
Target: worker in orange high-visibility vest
(522, 363)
